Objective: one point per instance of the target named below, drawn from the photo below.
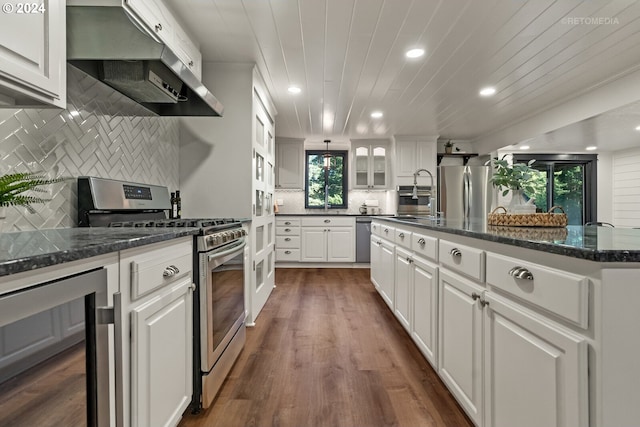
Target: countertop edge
(596, 255)
(28, 263)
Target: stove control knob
(211, 240)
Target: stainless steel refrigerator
(464, 193)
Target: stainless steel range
(219, 266)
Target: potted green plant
(448, 147)
(14, 185)
(513, 177)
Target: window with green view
(318, 178)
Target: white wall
(605, 188)
(215, 172)
(626, 188)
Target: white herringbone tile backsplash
(101, 133)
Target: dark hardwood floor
(326, 351)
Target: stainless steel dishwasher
(363, 238)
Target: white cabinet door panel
(424, 327)
(536, 372)
(33, 62)
(161, 356)
(313, 244)
(340, 244)
(460, 342)
(403, 276)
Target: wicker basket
(549, 219)
(538, 234)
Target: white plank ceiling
(348, 58)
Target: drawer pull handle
(475, 296)
(378, 243)
(170, 271)
(158, 27)
(287, 239)
(386, 230)
(287, 223)
(455, 252)
(287, 252)
(401, 235)
(521, 273)
(421, 241)
(287, 230)
(327, 221)
(190, 63)
(484, 303)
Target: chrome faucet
(415, 183)
(415, 190)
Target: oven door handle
(226, 252)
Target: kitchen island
(525, 326)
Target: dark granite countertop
(601, 244)
(28, 250)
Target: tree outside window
(318, 178)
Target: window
(567, 180)
(318, 179)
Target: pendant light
(327, 155)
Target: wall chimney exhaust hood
(104, 42)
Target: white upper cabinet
(289, 163)
(33, 62)
(370, 160)
(164, 27)
(413, 153)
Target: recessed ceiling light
(414, 53)
(591, 148)
(637, 127)
(488, 91)
(376, 114)
(525, 147)
(294, 89)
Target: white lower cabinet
(161, 356)
(535, 371)
(328, 244)
(403, 279)
(383, 268)
(424, 307)
(158, 377)
(460, 341)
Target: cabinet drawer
(286, 222)
(562, 293)
(403, 237)
(425, 246)
(385, 231)
(287, 254)
(288, 242)
(321, 221)
(287, 231)
(463, 259)
(158, 268)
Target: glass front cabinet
(370, 164)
